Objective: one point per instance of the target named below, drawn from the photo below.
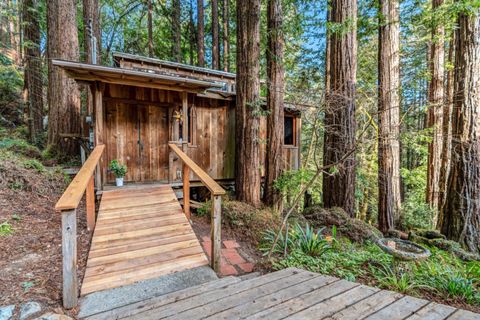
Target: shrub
(205, 209)
(34, 164)
(20, 146)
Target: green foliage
(205, 209)
(34, 164)
(290, 183)
(5, 229)
(20, 146)
(11, 84)
(442, 275)
(119, 170)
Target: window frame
(294, 131)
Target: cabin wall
(140, 122)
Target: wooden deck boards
(141, 233)
(286, 294)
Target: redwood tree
(33, 86)
(435, 109)
(275, 93)
(63, 94)
(226, 40)
(150, 27)
(248, 105)
(215, 36)
(176, 31)
(200, 33)
(339, 143)
(461, 212)
(388, 115)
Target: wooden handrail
(75, 190)
(216, 190)
(211, 184)
(83, 183)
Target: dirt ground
(31, 257)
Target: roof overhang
(91, 73)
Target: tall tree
(248, 106)
(33, 86)
(435, 108)
(91, 11)
(215, 36)
(275, 94)
(200, 33)
(446, 130)
(150, 27)
(339, 145)
(461, 212)
(226, 34)
(388, 115)
(192, 34)
(63, 94)
(176, 31)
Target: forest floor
(30, 233)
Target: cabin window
(289, 138)
(191, 126)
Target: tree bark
(446, 131)
(176, 31)
(275, 95)
(248, 106)
(63, 94)
(340, 125)
(191, 27)
(200, 33)
(461, 212)
(435, 109)
(226, 33)
(388, 115)
(150, 28)
(215, 36)
(91, 10)
(33, 86)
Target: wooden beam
(99, 131)
(69, 253)
(186, 190)
(216, 232)
(138, 102)
(90, 202)
(185, 121)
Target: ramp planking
(141, 233)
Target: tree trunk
(200, 34)
(248, 106)
(191, 27)
(176, 31)
(388, 115)
(446, 131)
(461, 212)
(33, 86)
(215, 36)
(150, 28)
(275, 94)
(435, 110)
(340, 125)
(91, 11)
(63, 94)
(226, 33)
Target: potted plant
(119, 170)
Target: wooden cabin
(143, 104)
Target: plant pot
(119, 182)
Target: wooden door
(137, 135)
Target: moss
(440, 242)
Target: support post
(99, 132)
(186, 190)
(216, 232)
(185, 121)
(69, 252)
(90, 201)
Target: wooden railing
(216, 192)
(67, 206)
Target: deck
(141, 233)
(286, 294)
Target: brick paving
(232, 263)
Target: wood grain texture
(69, 254)
(151, 238)
(75, 190)
(286, 294)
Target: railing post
(186, 190)
(69, 252)
(216, 231)
(90, 201)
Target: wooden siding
(139, 124)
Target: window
(191, 126)
(289, 138)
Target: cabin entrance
(138, 137)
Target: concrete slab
(110, 299)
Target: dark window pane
(288, 134)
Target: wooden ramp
(141, 233)
(286, 294)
